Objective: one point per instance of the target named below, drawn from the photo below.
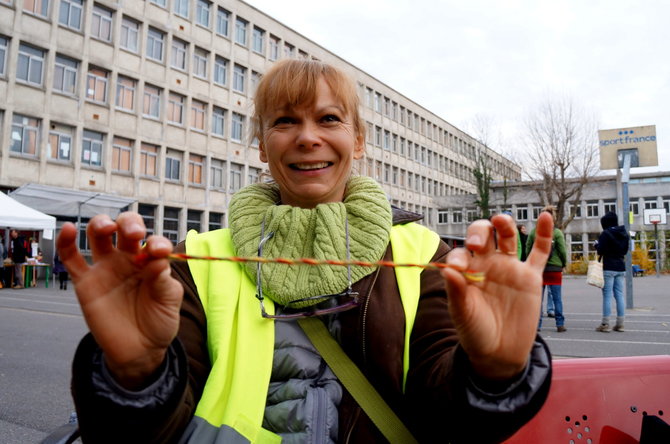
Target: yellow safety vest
(241, 342)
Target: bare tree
(562, 148)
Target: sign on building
(639, 142)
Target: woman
(552, 277)
(184, 350)
(523, 237)
(612, 245)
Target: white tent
(16, 215)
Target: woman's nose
(308, 135)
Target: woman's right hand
(131, 305)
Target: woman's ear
(359, 148)
(262, 155)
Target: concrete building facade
(151, 101)
(602, 194)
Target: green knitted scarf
(318, 233)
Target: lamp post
(80, 203)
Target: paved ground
(40, 328)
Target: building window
(121, 154)
(237, 127)
(176, 108)
(171, 223)
(591, 209)
(635, 208)
(216, 170)
(387, 140)
(25, 133)
(650, 203)
(222, 22)
(173, 165)
(60, 142)
(609, 206)
(442, 217)
(218, 121)
(178, 59)
(4, 42)
(70, 13)
(30, 65)
(536, 212)
(193, 220)
(289, 50)
(161, 3)
(37, 7)
(457, 217)
(101, 24)
(195, 166)
(203, 8)
(148, 213)
(255, 79)
(274, 47)
(235, 177)
(253, 176)
(155, 40)
(257, 40)
(522, 214)
(200, 63)
(181, 7)
(152, 101)
(378, 136)
(148, 160)
(215, 221)
(96, 85)
(91, 150)
(198, 115)
(130, 35)
(220, 70)
(241, 31)
(239, 73)
(125, 93)
(65, 75)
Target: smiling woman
(218, 351)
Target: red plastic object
(600, 400)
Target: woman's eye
(330, 118)
(284, 120)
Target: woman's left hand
(497, 318)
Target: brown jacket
(443, 401)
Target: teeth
(310, 166)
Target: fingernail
(474, 240)
(458, 263)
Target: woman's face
(310, 150)
(523, 229)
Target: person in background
(612, 245)
(523, 237)
(61, 271)
(519, 246)
(19, 252)
(3, 256)
(214, 351)
(553, 271)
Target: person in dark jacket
(612, 245)
(61, 271)
(167, 358)
(19, 252)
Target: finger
(99, 232)
(544, 230)
(479, 237)
(131, 232)
(158, 246)
(69, 254)
(506, 233)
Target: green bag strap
(356, 383)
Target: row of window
(592, 210)
(404, 147)
(26, 131)
(393, 175)
(71, 15)
(30, 69)
(413, 121)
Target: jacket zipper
(320, 432)
(365, 313)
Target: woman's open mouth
(310, 166)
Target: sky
(499, 59)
